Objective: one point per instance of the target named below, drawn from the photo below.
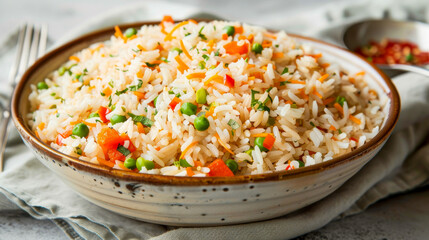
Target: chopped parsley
(202, 36)
(340, 100)
(202, 65)
(233, 124)
(217, 53)
(206, 57)
(142, 119)
(136, 87)
(123, 150)
(151, 65)
(121, 92)
(285, 70)
(312, 124)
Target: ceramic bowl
(190, 201)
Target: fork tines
(31, 45)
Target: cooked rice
(307, 130)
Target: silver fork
(31, 45)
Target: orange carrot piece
(261, 135)
(187, 149)
(219, 169)
(196, 75)
(233, 48)
(325, 65)
(296, 81)
(190, 172)
(332, 128)
(169, 36)
(41, 126)
(74, 58)
(167, 18)
(139, 95)
(278, 55)
(316, 56)
(105, 162)
(289, 102)
(184, 50)
(323, 77)
(266, 43)
(352, 80)
(372, 91)
(223, 144)
(140, 127)
(269, 141)
(224, 36)
(339, 108)
(328, 100)
(238, 30)
(355, 119)
(250, 38)
(215, 78)
(198, 164)
(182, 65)
(107, 91)
(360, 73)
(140, 73)
(141, 47)
(90, 124)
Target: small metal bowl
(361, 33)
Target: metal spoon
(361, 33)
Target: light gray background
(404, 216)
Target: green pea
(80, 130)
(141, 162)
(233, 165)
(188, 109)
(154, 101)
(93, 115)
(259, 141)
(257, 48)
(230, 30)
(201, 96)
(201, 123)
(42, 85)
(62, 70)
(130, 163)
(117, 119)
(130, 32)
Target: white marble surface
(400, 217)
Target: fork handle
(3, 135)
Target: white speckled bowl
(187, 201)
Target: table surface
(403, 216)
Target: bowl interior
(361, 33)
(345, 59)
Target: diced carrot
(289, 102)
(316, 56)
(360, 73)
(328, 100)
(372, 91)
(339, 108)
(169, 36)
(140, 127)
(238, 30)
(278, 55)
(261, 135)
(41, 126)
(270, 35)
(303, 95)
(223, 144)
(352, 80)
(140, 73)
(187, 149)
(107, 91)
(269, 141)
(103, 111)
(353, 139)
(131, 146)
(242, 37)
(139, 95)
(219, 169)
(258, 75)
(114, 154)
(210, 111)
(332, 128)
(119, 34)
(132, 37)
(184, 50)
(74, 58)
(75, 122)
(190, 172)
(325, 65)
(224, 36)
(250, 38)
(140, 47)
(297, 81)
(355, 119)
(323, 77)
(182, 65)
(196, 75)
(215, 78)
(167, 18)
(105, 162)
(193, 21)
(266, 44)
(315, 92)
(198, 164)
(233, 48)
(174, 102)
(109, 139)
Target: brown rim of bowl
(193, 181)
